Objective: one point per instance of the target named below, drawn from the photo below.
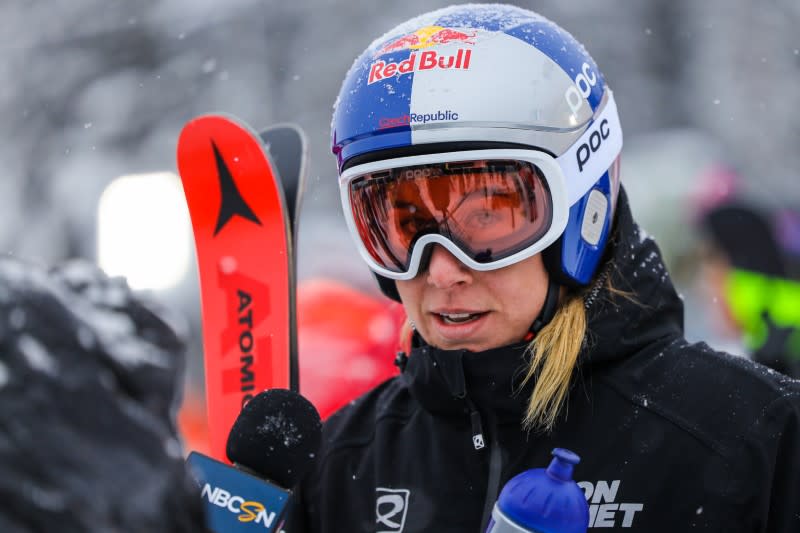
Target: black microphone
(272, 443)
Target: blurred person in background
(90, 379)
(747, 267)
(478, 150)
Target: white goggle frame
(548, 166)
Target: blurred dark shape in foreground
(90, 379)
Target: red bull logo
(427, 60)
(427, 37)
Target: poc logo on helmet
(575, 95)
(584, 82)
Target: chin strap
(548, 309)
(400, 360)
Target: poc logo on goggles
(585, 150)
(593, 153)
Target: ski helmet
(493, 84)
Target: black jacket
(673, 436)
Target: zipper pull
(452, 371)
(477, 429)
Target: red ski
(245, 261)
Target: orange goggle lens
(489, 209)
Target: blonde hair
(555, 350)
(554, 354)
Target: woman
(478, 151)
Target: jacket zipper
(595, 290)
(459, 390)
(495, 457)
(495, 471)
(478, 440)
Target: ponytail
(554, 354)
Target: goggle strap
(593, 153)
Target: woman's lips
(458, 324)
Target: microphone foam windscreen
(277, 435)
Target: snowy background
(96, 89)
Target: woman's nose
(445, 271)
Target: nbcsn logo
(246, 510)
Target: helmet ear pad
(552, 262)
(573, 259)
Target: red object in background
(347, 342)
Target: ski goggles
(489, 208)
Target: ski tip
(209, 120)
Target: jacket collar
(452, 381)
(643, 308)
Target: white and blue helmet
(485, 77)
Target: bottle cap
(547, 500)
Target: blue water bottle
(542, 500)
